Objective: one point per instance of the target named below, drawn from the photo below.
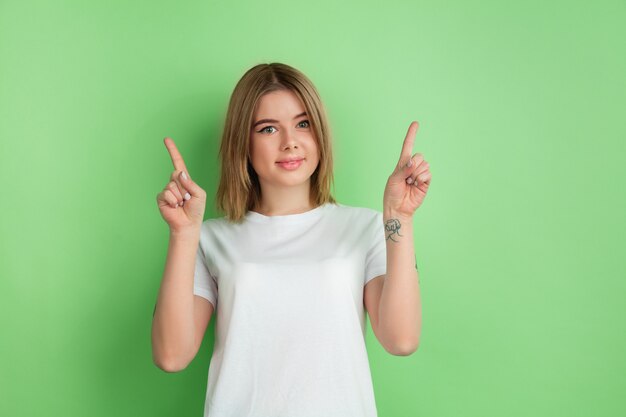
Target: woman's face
(281, 131)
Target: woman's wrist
(186, 233)
(391, 214)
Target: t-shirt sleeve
(376, 257)
(204, 284)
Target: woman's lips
(290, 165)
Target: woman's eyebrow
(275, 121)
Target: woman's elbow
(404, 349)
(169, 365)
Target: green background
(520, 240)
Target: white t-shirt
(290, 318)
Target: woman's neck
(280, 201)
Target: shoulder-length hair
(239, 188)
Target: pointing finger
(407, 146)
(177, 159)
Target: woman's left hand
(407, 185)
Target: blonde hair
(239, 189)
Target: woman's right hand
(181, 212)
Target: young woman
(288, 270)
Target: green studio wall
(519, 242)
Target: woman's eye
(305, 121)
(265, 129)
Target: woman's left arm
(399, 310)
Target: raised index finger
(407, 146)
(177, 159)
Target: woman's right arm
(180, 317)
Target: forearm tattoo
(392, 227)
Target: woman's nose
(289, 139)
